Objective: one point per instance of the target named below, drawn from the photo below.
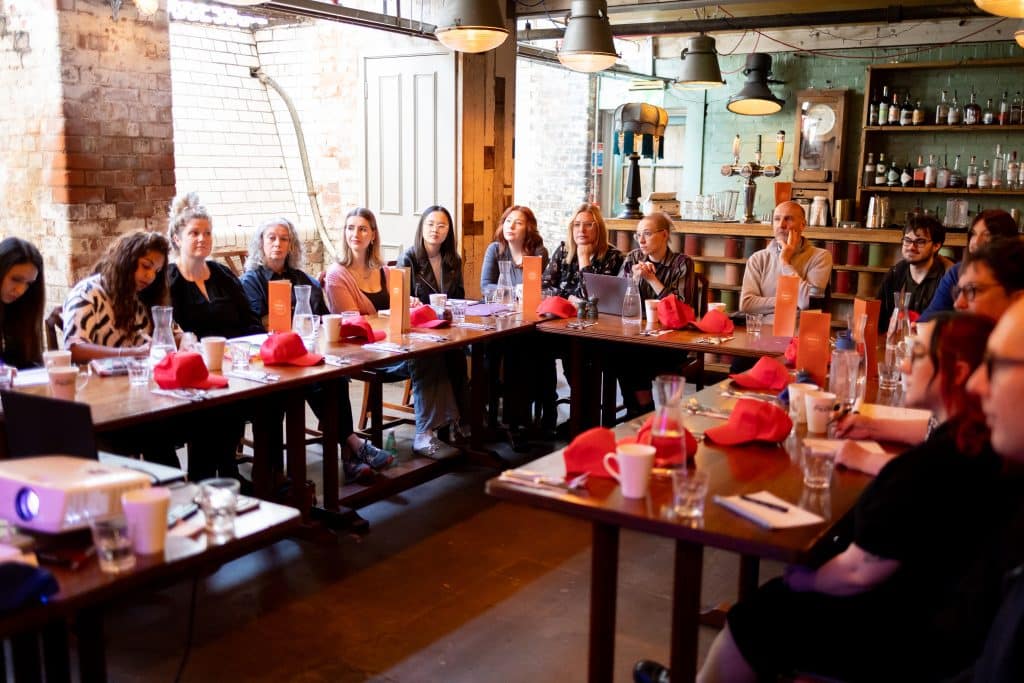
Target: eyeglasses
(587, 225)
(919, 242)
(972, 290)
(647, 234)
(993, 361)
(437, 226)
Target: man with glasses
(920, 271)
(991, 278)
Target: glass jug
(302, 319)
(631, 304)
(897, 343)
(162, 342)
(505, 293)
(668, 434)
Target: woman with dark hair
(108, 313)
(22, 296)
(879, 609)
(515, 237)
(985, 226)
(433, 257)
(585, 250)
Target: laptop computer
(609, 290)
(40, 425)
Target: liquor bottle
(906, 111)
(869, 168)
(942, 111)
(1004, 110)
(883, 107)
(881, 170)
(996, 180)
(918, 172)
(1016, 109)
(984, 176)
(893, 177)
(894, 110)
(972, 174)
(955, 178)
(942, 175)
(919, 114)
(988, 114)
(956, 114)
(907, 177)
(1013, 172)
(873, 109)
(930, 171)
(972, 111)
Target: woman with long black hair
(22, 297)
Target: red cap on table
(715, 322)
(556, 307)
(186, 370)
(767, 373)
(287, 348)
(360, 331)
(752, 420)
(586, 452)
(674, 314)
(425, 316)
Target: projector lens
(26, 503)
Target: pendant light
(1002, 8)
(700, 69)
(471, 25)
(588, 45)
(1018, 35)
(756, 99)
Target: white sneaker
(427, 445)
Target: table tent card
(786, 297)
(398, 286)
(279, 306)
(813, 348)
(871, 308)
(532, 272)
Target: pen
(773, 506)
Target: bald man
(788, 254)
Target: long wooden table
(85, 593)
(732, 470)
(586, 372)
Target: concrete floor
(449, 585)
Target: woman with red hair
(515, 238)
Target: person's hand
(584, 252)
(138, 351)
(792, 244)
(855, 457)
(855, 426)
(322, 279)
(644, 270)
(799, 579)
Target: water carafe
(302, 317)
(897, 346)
(668, 433)
(631, 304)
(505, 293)
(162, 342)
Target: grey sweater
(812, 265)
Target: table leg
(295, 435)
(55, 652)
(608, 386)
(92, 662)
(750, 566)
(330, 440)
(689, 565)
(266, 446)
(604, 576)
(478, 396)
(576, 389)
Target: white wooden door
(410, 140)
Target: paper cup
(146, 512)
(213, 353)
(62, 381)
(633, 468)
(58, 358)
(332, 326)
(651, 312)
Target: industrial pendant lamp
(471, 25)
(588, 45)
(1002, 8)
(700, 65)
(1018, 35)
(756, 99)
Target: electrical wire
(188, 631)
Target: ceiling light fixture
(147, 8)
(471, 26)
(756, 99)
(588, 45)
(1018, 35)
(700, 68)
(1002, 8)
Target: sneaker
(374, 457)
(358, 472)
(427, 445)
(460, 432)
(647, 671)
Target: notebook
(609, 290)
(29, 425)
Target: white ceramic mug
(213, 353)
(59, 358)
(634, 462)
(146, 512)
(332, 326)
(63, 381)
(651, 311)
(797, 403)
(820, 405)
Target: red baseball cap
(557, 307)
(360, 331)
(752, 420)
(426, 316)
(791, 350)
(586, 452)
(186, 370)
(674, 314)
(767, 373)
(287, 348)
(668, 450)
(715, 322)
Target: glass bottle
(894, 110)
(942, 175)
(988, 114)
(972, 174)
(984, 176)
(892, 179)
(881, 170)
(897, 341)
(930, 172)
(1013, 172)
(844, 369)
(906, 111)
(972, 111)
(919, 114)
(302, 316)
(869, 168)
(917, 172)
(505, 292)
(908, 175)
(996, 181)
(942, 110)
(1016, 109)
(873, 109)
(1004, 110)
(883, 107)
(162, 342)
(955, 178)
(956, 114)
(631, 304)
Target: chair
(823, 302)
(234, 259)
(54, 323)
(693, 370)
(373, 395)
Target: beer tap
(753, 169)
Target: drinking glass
(689, 491)
(240, 351)
(217, 498)
(6, 377)
(139, 370)
(754, 322)
(458, 311)
(818, 464)
(113, 544)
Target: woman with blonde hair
(586, 250)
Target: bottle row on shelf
(885, 112)
(1004, 172)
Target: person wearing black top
(920, 271)
(22, 296)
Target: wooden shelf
(718, 259)
(860, 269)
(980, 128)
(720, 285)
(843, 297)
(932, 190)
(949, 64)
